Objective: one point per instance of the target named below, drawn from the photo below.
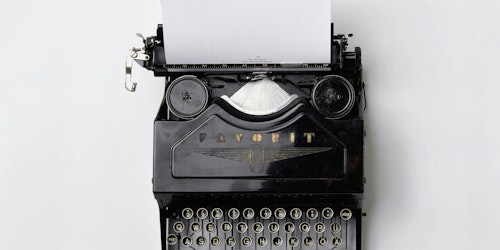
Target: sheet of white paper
(247, 31)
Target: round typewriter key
(333, 96)
(289, 227)
(258, 227)
(295, 213)
(178, 227)
(335, 227)
(201, 241)
(241, 227)
(246, 241)
(323, 241)
(293, 241)
(187, 213)
(217, 213)
(248, 213)
(187, 96)
(345, 214)
(262, 241)
(319, 227)
(195, 227)
(304, 227)
(279, 213)
(327, 213)
(210, 227)
(265, 213)
(308, 241)
(230, 241)
(277, 241)
(202, 213)
(226, 227)
(233, 213)
(187, 241)
(215, 241)
(312, 213)
(274, 227)
(172, 239)
(337, 241)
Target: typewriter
(258, 156)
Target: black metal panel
(191, 157)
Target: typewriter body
(258, 156)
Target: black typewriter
(258, 156)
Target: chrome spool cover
(187, 97)
(333, 96)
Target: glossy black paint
(335, 171)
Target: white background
(76, 148)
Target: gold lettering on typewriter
(257, 137)
(220, 138)
(203, 136)
(309, 136)
(275, 137)
(238, 137)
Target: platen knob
(187, 97)
(333, 96)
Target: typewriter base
(263, 221)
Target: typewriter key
(319, 227)
(262, 241)
(337, 241)
(295, 213)
(333, 96)
(305, 227)
(279, 213)
(258, 227)
(226, 227)
(217, 213)
(274, 227)
(187, 213)
(246, 241)
(187, 241)
(293, 241)
(323, 241)
(187, 96)
(230, 241)
(248, 213)
(345, 214)
(172, 239)
(202, 213)
(241, 227)
(233, 213)
(178, 227)
(308, 241)
(215, 241)
(265, 213)
(289, 227)
(327, 213)
(195, 227)
(277, 241)
(210, 227)
(312, 213)
(201, 241)
(335, 227)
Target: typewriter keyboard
(261, 228)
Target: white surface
(247, 31)
(76, 148)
